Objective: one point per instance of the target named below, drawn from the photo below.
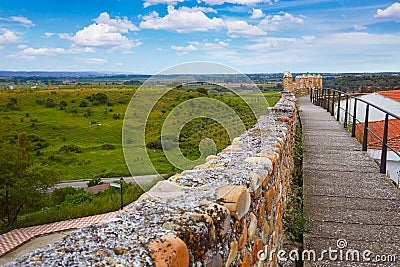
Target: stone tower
(302, 84)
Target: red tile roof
(394, 94)
(97, 189)
(377, 127)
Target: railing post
(333, 103)
(338, 107)
(319, 97)
(365, 139)
(347, 110)
(353, 128)
(384, 144)
(329, 95)
(314, 97)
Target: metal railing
(326, 98)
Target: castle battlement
(302, 83)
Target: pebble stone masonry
(221, 213)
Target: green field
(77, 130)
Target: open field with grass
(77, 133)
(77, 130)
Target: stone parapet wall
(221, 213)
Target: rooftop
(393, 94)
(377, 128)
(97, 189)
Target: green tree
(21, 180)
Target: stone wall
(221, 213)
(302, 84)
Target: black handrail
(326, 99)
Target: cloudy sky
(250, 35)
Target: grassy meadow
(77, 130)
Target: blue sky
(147, 36)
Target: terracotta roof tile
(377, 127)
(97, 189)
(393, 94)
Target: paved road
(348, 203)
(83, 183)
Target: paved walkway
(13, 239)
(348, 203)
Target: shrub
(97, 99)
(50, 103)
(63, 104)
(83, 104)
(154, 144)
(107, 146)
(70, 148)
(12, 104)
(202, 90)
(77, 198)
(94, 181)
(59, 194)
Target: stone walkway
(351, 208)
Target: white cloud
(148, 3)
(94, 60)
(105, 33)
(237, 2)
(183, 20)
(271, 43)
(22, 20)
(239, 28)
(359, 27)
(187, 20)
(205, 45)
(184, 50)
(283, 18)
(390, 13)
(8, 36)
(120, 25)
(27, 52)
(309, 39)
(48, 34)
(217, 45)
(257, 13)
(19, 20)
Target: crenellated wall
(221, 213)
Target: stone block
(222, 220)
(235, 198)
(246, 261)
(166, 189)
(243, 235)
(261, 214)
(169, 250)
(260, 162)
(232, 149)
(233, 251)
(197, 231)
(258, 246)
(269, 198)
(211, 157)
(252, 226)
